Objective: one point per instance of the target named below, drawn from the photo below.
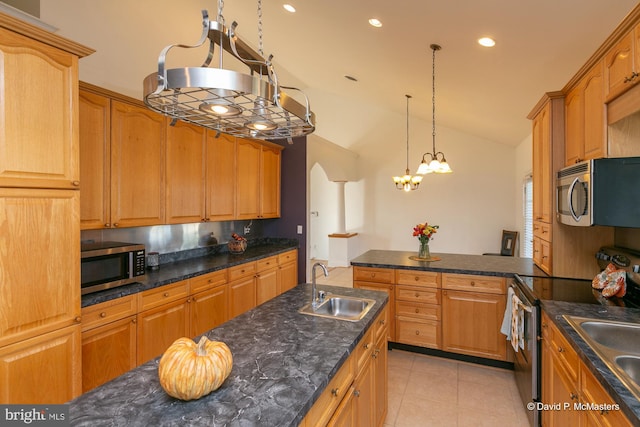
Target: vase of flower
(424, 232)
(423, 251)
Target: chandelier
(245, 105)
(437, 162)
(407, 182)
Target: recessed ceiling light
(487, 42)
(289, 8)
(375, 22)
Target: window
(527, 242)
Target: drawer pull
(417, 332)
(603, 412)
(166, 294)
(560, 350)
(573, 396)
(417, 278)
(373, 274)
(417, 310)
(77, 319)
(335, 391)
(367, 345)
(473, 283)
(417, 295)
(103, 314)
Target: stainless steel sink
(340, 307)
(616, 343)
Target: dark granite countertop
(616, 389)
(487, 265)
(282, 361)
(186, 268)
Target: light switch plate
(299, 229)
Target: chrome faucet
(314, 297)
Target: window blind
(527, 242)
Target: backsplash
(627, 238)
(168, 239)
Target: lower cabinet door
(242, 296)
(107, 352)
(345, 415)
(42, 370)
(208, 310)
(471, 323)
(158, 328)
(364, 396)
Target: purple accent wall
(293, 202)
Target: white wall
(323, 201)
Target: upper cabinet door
(137, 166)
(595, 145)
(248, 179)
(619, 67)
(221, 177)
(270, 182)
(95, 128)
(38, 112)
(185, 173)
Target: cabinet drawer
(381, 324)
(325, 406)
(108, 311)
(542, 230)
(428, 296)
(162, 295)
(287, 257)
(565, 354)
(423, 333)
(427, 279)
(208, 281)
(468, 282)
(368, 274)
(267, 263)
(417, 310)
(242, 270)
(363, 350)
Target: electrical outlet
(299, 229)
(247, 229)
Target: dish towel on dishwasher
(517, 323)
(505, 329)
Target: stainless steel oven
(527, 358)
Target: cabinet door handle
(75, 183)
(417, 295)
(417, 332)
(335, 391)
(560, 350)
(573, 396)
(367, 345)
(356, 393)
(107, 225)
(77, 319)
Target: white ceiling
(484, 92)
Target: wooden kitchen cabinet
(44, 369)
(585, 118)
(209, 301)
(221, 177)
(622, 64)
(379, 279)
(266, 279)
(472, 312)
(591, 392)
(242, 288)
(164, 317)
(109, 340)
(185, 173)
(40, 261)
(258, 179)
(38, 110)
(417, 307)
(95, 160)
(287, 271)
(137, 166)
(542, 179)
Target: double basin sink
(616, 343)
(340, 307)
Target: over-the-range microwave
(600, 192)
(104, 265)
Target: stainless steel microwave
(105, 265)
(600, 192)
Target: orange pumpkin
(189, 371)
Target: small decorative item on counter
(153, 260)
(237, 245)
(188, 371)
(612, 282)
(424, 232)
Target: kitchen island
(487, 265)
(282, 362)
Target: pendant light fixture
(245, 105)
(407, 182)
(437, 162)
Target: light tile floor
(433, 391)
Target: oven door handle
(522, 305)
